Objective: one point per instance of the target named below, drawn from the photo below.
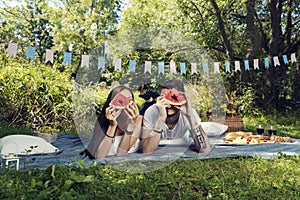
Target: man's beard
(172, 119)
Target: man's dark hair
(177, 84)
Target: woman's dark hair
(102, 123)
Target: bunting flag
(285, 59)
(12, 49)
(276, 61)
(227, 66)
(49, 56)
(173, 67)
(101, 63)
(132, 64)
(246, 63)
(256, 64)
(216, 67)
(237, 66)
(85, 61)
(161, 67)
(117, 62)
(148, 65)
(293, 57)
(67, 58)
(182, 68)
(30, 52)
(194, 68)
(266, 59)
(205, 67)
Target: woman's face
(123, 117)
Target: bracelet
(128, 132)
(158, 131)
(109, 136)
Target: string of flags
(85, 60)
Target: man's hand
(161, 105)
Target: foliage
(35, 95)
(228, 178)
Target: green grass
(240, 178)
(227, 178)
(12, 130)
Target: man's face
(173, 109)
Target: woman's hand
(132, 112)
(161, 105)
(112, 114)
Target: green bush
(35, 95)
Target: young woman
(116, 131)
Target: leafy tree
(235, 30)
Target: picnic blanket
(70, 146)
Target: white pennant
(237, 66)
(276, 61)
(49, 56)
(12, 49)
(85, 60)
(256, 64)
(194, 68)
(216, 67)
(293, 57)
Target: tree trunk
(272, 96)
(221, 27)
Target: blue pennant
(132, 64)
(30, 52)
(161, 67)
(182, 68)
(101, 62)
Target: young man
(164, 121)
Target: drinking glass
(272, 130)
(260, 129)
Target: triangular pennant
(85, 60)
(118, 64)
(12, 49)
(237, 66)
(161, 67)
(67, 58)
(148, 65)
(49, 56)
(101, 63)
(30, 52)
(132, 64)
(182, 68)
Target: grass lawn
(227, 178)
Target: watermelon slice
(120, 101)
(175, 97)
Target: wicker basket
(234, 123)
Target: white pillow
(213, 128)
(21, 145)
